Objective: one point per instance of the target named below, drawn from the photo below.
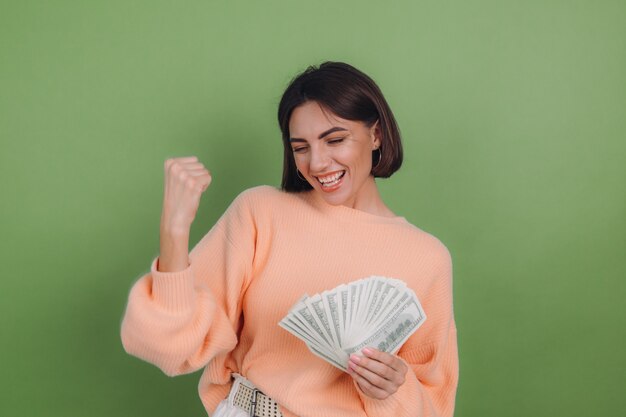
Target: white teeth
(330, 178)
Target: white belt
(252, 400)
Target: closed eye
(302, 149)
(335, 140)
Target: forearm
(174, 250)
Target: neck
(368, 199)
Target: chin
(340, 195)
(336, 198)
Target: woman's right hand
(185, 180)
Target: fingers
(182, 164)
(169, 162)
(198, 171)
(376, 373)
(186, 179)
(373, 379)
(388, 359)
(368, 388)
(379, 374)
(183, 168)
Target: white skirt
(227, 408)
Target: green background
(513, 116)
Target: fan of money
(375, 311)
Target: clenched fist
(185, 180)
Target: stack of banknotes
(374, 312)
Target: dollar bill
(375, 311)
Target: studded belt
(255, 403)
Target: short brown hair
(349, 94)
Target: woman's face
(334, 155)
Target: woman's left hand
(379, 374)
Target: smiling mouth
(331, 180)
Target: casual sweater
(269, 248)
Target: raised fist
(185, 180)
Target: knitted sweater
(267, 250)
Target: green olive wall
(513, 117)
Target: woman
(218, 307)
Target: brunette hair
(349, 94)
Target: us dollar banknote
(376, 311)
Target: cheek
(301, 162)
(350, 156)
(359, 159)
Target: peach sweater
(267, 250)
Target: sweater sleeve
(179, 321)
(431, 355)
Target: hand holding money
(378, 374)
(340, 323)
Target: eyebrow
(325, 133)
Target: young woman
(218, 306)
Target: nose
(320, 160)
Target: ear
(375, 135)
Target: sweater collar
(347, 213)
